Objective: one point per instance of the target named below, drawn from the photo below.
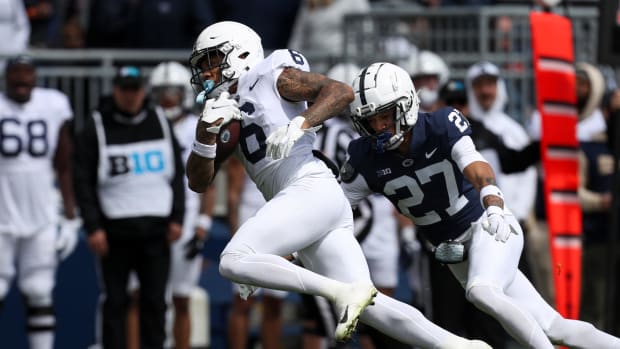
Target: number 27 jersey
(426, 185)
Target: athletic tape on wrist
(490, 190)
(204, 222)
(204, 150)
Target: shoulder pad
(347, 172)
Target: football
(228, 139)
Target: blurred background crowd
(471, 54)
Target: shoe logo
(428, 155)
(254, 84)
(345, 316)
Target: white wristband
(204, 222)
(204, 150)
(490, 190)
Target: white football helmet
(344, 72)
(379, 87)
(427, 63)
(239, 48)
(172, 77)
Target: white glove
(497, 225)
(222, 107)
(245, 291)
(67, 237)
(280, 143)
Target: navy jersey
(426, 185)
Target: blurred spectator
(35, 152)
(319, 26)
(14, 29)
(129, 185)
(111, 23)
(41, 14)
(487, 97)
(147, 24)
(596, 166)
(170, 24)
(271, 19)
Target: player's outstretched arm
(329, 97)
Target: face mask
(173, 113)
(428, 97)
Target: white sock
(405, 323)
(580, 335)
(518, 322)
(41, 339)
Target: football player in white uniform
(428, 166)
(34, 143)
(170, 89)
(306, 211)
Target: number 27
(458, 119)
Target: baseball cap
(454, 91)
(19, 60)
(482, 69)
(129, 76)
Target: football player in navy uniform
(428, 166)
(306, 211)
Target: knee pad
(37, 288)
(40, 318)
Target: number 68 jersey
(427, 185)
(28, 139)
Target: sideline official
(129, 187)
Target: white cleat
(351, 302)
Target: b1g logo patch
(137, 163)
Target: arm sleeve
(86, 159)
(464, 153)
(177, 183)
(518, 160)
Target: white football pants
(494, 284)
(312, 217)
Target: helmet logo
(394, 82)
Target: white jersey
(29, 136)
(185, 132)
(264, 111)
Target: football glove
(223, 107)
(193, 247)
(245, 291)
(280, 142)
(67, 237)
(497, 225)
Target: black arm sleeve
(518, 160)
(86, 160)
(178, 184)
